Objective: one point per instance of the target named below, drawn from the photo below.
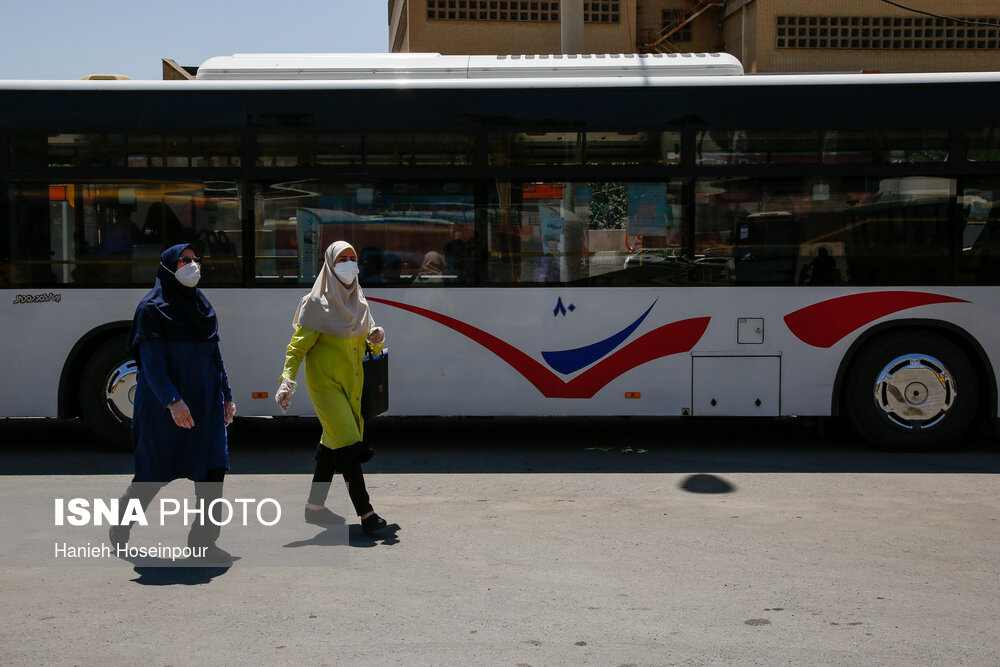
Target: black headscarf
(172, 311)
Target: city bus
(612, 235)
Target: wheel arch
(72, 372)
(954, 333)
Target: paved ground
(529, 542)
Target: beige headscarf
(331, 307)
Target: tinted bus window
(586, 233)
(983, 145)
(112, 234)
(309, 150)
(418, 149)
(827, 231)
(404, 233)
(596, 148)
(980, 212)
(849, 147)
(914, 146)
(184, 150)
(33, 151)
(748, 147)
(536, 148)
(632, 148)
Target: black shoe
(213, 554)
(373, 524)
(323, 517)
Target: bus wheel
(107, 390)
(912, 391)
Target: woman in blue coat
(183, 401)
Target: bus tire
(912, 391)
(107, 389)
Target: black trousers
(346, 461)
(203, 532)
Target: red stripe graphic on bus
(823, 324)
(669, 339)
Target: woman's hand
(230, 412)
(182, 416)
(376, 336)
(283, 397)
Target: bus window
(183, 150)
(586, 233)
(980, 211)
(112, 234)
(404, 233)
(856, 230)
(89, 151)
(536, 148)
(610, 148)
(983, 145)
(309, 150)
(729, 147)
(899, 232)
(914, 146)
(408, 150)
(632, 148)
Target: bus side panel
(41, 327)
(806, 367)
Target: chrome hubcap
(915, 391)
(119, 390)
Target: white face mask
(189, 274)
(346, 271)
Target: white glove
(182, 416)
(230, 412)
(283, 397)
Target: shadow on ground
(516, 445)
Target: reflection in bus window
(67, 150)
(587, 233)
(727, 147)
(308, 150)
(183, 150)
(594, 148)
(980, 211)
(407, 150)
(855, 230)
(983, 145)
(112, 234)
(393, 228)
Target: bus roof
(393, 71)
(352, 66)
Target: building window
(517, 10)
(884, 32)
(672, 17)
(601, 12)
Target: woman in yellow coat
(333, 327)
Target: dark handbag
(375, 390)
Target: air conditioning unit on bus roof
(356, 66)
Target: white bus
(549, 235)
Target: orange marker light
(259, 394)
(633, 394)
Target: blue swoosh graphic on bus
(570, 361)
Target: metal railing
(651, 40)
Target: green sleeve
(302, 341)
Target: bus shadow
(517, 445)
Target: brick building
(766, 35)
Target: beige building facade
(766, 35)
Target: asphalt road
(552, 542)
